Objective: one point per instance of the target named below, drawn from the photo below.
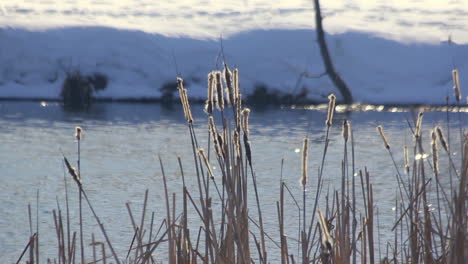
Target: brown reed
(417, 130)
(384, 138)
(456, 84)
(219, 91)
(202, 154)
(331, 109)
(305, 152)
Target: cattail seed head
(435, 156)
(417, 130)
(202, 154)
(236, 140)
(219, 91)
(245, 121)
(214, 135)
(456, 85)
(235, 84)
(72, 171)
(184, 100)
(305, 152)
(346, 128)
(407, 164)
(331, 109)
(209, 100)
(229, 87)
(442, 140)
(78, 133)
(384, 138)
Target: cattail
(202, 154)
(305, 152)
(456, 85)
(229, 86)
(214, 134)
(442, 140)
(219, 91)
(245, 121)
(78, 133)
(417, 130)
(235, 84)
(384, 138)
(407, 164)
(435, 156)
(184, 100)
(72, 171)
(331, 109)
(209, 100)
(346, 128)
(327, 243)
(237, 144)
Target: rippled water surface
(121, 144)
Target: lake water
(119, 162)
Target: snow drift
(33, 64)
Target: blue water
(119, 151)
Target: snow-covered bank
(33, 63)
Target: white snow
(386, 53)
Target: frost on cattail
(331, 109)
(456, 85)
(245, 121)
(384, 138)
(219, 91)
(78, 133)
(442, 140)
(235, 84)
(305, 152)
(202, 154)
(184, 100)
(435, 156)
(417, 130)
(229, 86)
(407, 164)
(209, 100)
(346, 128)
(72, 171)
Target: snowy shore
(138, 64)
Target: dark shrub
(78, 89)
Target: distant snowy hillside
(33, 63)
